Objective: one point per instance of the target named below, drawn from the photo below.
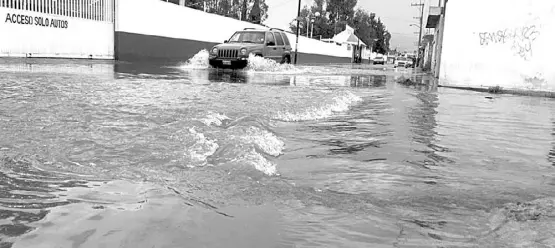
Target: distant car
(401, 62)
(378, 60)
(234, 53)
(411, 62)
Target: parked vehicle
(378, 60)
(401, 62)
(412, 62)
(234, 53)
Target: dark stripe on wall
(307, 58)
(142, 48)
(133, 47)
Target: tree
(302, 24)
(336, 14)
(340, 12)
(387, 39)
(237, 9)
(255, 14)
(383, 36)
(362, 23)
(321, 23)
(195, 4)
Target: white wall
(499, 43)
(154, 17)
(80, 39)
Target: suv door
(280, 44)
(270, 47)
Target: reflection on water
(551, 154)
(125, 70)
(248, 77)
(422, 119)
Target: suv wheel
(286, 60)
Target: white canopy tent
(348, 37)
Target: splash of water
(255, 64)
(338, 104)
(200, 149)
(260, 64)
(198, 61)
(242, 146)
(214, 118)
(264, 140)
(258, 161)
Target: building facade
(482, 44)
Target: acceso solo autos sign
(35, 21)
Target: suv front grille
(228, 53)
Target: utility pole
(421, 5)
(307, 25)
(298, 30)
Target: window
(247, 37)
(285, 39)
(279, 39)
(270, 38)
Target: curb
(499, 90)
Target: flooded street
(130, 155)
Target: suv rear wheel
(286, 60)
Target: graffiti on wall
(521, 39)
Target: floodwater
(126, 155)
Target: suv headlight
(243, 51)
(215, 50)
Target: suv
(234, 53)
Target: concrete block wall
(503, 43)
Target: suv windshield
(247, 37)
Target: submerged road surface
(125, 155)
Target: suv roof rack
(277, 29)
(253, 29)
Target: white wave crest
(264, 140)
(214, 118)
(198, 61)
(200, 149)
(259, 162)
(260, 64)
(339, 104)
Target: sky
(397, 15)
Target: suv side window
(285, 39)
(279, 39)
(270, 38)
